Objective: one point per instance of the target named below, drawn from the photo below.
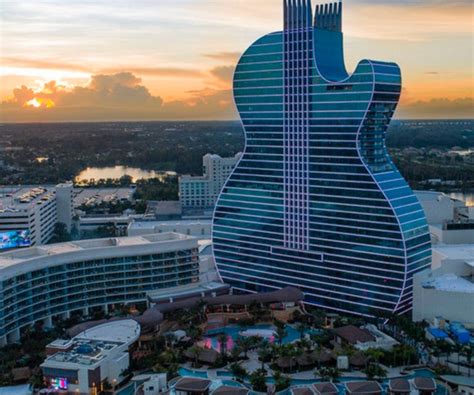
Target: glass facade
(316, 201)
(84, 283)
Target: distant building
(197, 228)
(83, 364)
(447, 290)
(47, 283)
(35, 210)
(202, 192)
(450, 220)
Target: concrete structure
(51, 282)
(448, 290)
(35, 210)
(156, 384)
(200, 229)
(95, 196)
(364, 338)
(450, 220)
(439, 207)
(85, 362)
(202, 191)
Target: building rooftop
(363, 387)
(192, 385)
(152, 224)
(455, 251)
(186, 291)
(20, 256)
(451, 283)
(17, 198)
(354, 335)
(93, 345)
(95, 196)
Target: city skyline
(97, 61)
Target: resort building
(200, 228)
(28, 215)
(52, 282)
(83, 364)
(316, 201)
(447, 290)
(450, 220)
(201, 192)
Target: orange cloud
(120, 96)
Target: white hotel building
(202, 192)
(35, 209)
(47, 283)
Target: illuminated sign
(15, 239)
(59, 384)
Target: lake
(468, 197)
(116, 172)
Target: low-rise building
(92, 358)
(447, 290)
(29, 214)
(197, 228)
(364, 338)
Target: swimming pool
(233, 333)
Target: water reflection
(97, 173)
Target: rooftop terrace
(24, 255)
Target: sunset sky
(174, 59)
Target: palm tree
(222, 339)
(280, 334)
(195, 351)
(238, 371)
(245, 343)
(264, 353)
(328, 374)
(302, 328)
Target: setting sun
(39, 102)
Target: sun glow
(39, 102)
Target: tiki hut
(205, 356)
(325, 389)
(399, 387)
(304, 361)
(358, 360)
(363, 388)
(322, 356)
(425, 385)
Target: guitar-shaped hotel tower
(316, 201)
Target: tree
(375, 371)
(258, 382)
(328, 374)
(238, 371)
(280, 334)
(222, 339)
(281, 382)
(60, 233)
(264, 353)
(245, 344)
(302, 328)
(195, 352)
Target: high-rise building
(316, 201)
(201, 192)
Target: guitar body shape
(316, 201)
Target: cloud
(177, 72)
(224, 56)
(224, 73)
(119, 96)
(440, 108)
(123, 96)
